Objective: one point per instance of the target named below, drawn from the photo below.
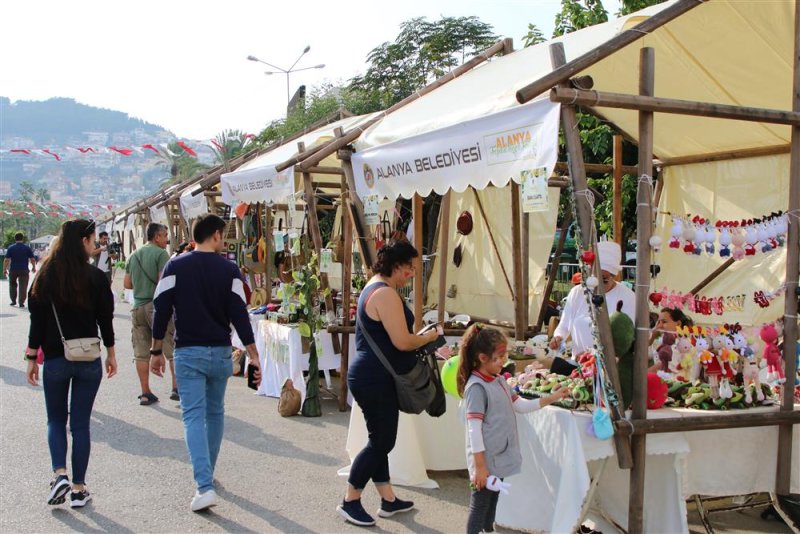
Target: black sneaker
(78, 499)
(58, 490)
(175, 396)
(389, 508)
(13, 303)
(353, 512)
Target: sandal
(175, 396)
(146, 399)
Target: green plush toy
(624, 333)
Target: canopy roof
(737, 53)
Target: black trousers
(18, 286)
(378, 402)
(482, 509)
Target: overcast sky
(182, 64)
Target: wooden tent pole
(551, 277)
(270, 252)
(567, 70)
(617, 202)
(710, 278)
(316, 237)
(491, 239)
(363, 233)
(516, 257)
(644, 215)
(785, 467)
(416, 210)
(443, 254)
(583, 208)
(347, 280)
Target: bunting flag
(123, 151)
(85, 149)
(188, 149)
(21, 150)
(151, 147)
(47, 151)
(219, 146)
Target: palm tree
(227, 145)
(181, 165)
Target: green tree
(182, 165)
(630, 6)
(26, 191)
(577, 14)
(228, 144)
(533, 37)
(42, 195)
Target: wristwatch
(158, 352)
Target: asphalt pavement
(274, 474)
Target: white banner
(158, 215)
(130, 222)
(193, 206)
(496, 149)
(260, 184)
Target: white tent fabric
(193, 206)
(258, 181)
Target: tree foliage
(577, 14)
(228, 144)
(533, 37)
(181, 165)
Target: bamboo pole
(526, 269)
(617, 202)
(784, 473)
(597, 168)
(726, 155)
(551, 277)
(442, 255)
(516, 251)
(270, 251)
(313, 156)
(316, 237)
(601, 99)
(347, 279)
(416, 210)
(491, 239)
(644, 211)
(366, 243)
(566, 71)
(707, 422)
(584, 212)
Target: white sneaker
(204, 501)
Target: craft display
(697, 235)
(696, 304)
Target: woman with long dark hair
(388, 321)
(79, 293)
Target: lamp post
(287, 72)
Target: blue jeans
(202, 374)
(61, 375)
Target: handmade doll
(710, 238)
(749, 368)
(772, 355)
(665, 351)
(763, 237)
(686, 369)
(723, 356)
(675, 233)
(751, 238)
(710, 363)
(738, 240)
(688, 235)
(724, 239)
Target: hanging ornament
(763, 237)
(699, 235)
(676, 232)
(725, 239)
(738, 240)
(588, 257)
(597, 300)
(592, 282)
(688, 237)
(655, 298)
(655, 243)
(751, 239)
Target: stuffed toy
(665, 351)
(724, 239)
(772, 355)
(749, 362)
(623, 334)
(738, 240)
(751, 238)
(710, 364)
(656, 391)
(687, 370)
(725, 372)
(763, 237)
(710, 238)
(675, 233)
(688, 235)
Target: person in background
(575, 319)
(102, 258)
(186, 246)
(204, 292)
(15, 266)
(142, 273)
(490, 406)
(79, 293)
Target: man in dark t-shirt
(15, 265)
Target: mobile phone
(251, 378)
(430, 327)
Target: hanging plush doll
(699, 235)
(738, 240)
(710, 363)
(772, 232)
(750, 376)
(688, 237)
(763, 237)
(751, 238)
(676, 233)
(665, 351)
(783, 227)
(772, 354)
(711, 237)
(724, 239)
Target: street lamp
(288, 71)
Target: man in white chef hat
(575, 320)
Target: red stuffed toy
(772, 354)
(656, 391)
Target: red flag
(123, 151)
(46, 151)
(151, 147)
(187, 149)
(21, 150)
(249, 136)
(85, 149)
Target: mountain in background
(60, 120)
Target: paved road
(275, 474)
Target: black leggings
(378, 402)
(482, 509)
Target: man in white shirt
(102, 257)
(575, 318)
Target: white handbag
(82, 349)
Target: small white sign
(371, 208)
(534, 190)
(325, 260)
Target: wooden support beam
(711, 277)
(644, 211)
(313, 156)
(363, 232)
(551, 277)
(707, 422)
(316, 237)
(655, 104)
(443, 254)
(566, 71)
(516, 256)
(417, 215)
(270, 255)
(785, 466)
(526, 269)
(583, 208)
(492, 241)
(327, 170)
(725, 155)
(347, 280)
(617, 202)
(596, 168)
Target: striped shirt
(206, 294)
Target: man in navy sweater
(205, 292)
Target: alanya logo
(511, 145)
(282, 178)
(369, 176)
